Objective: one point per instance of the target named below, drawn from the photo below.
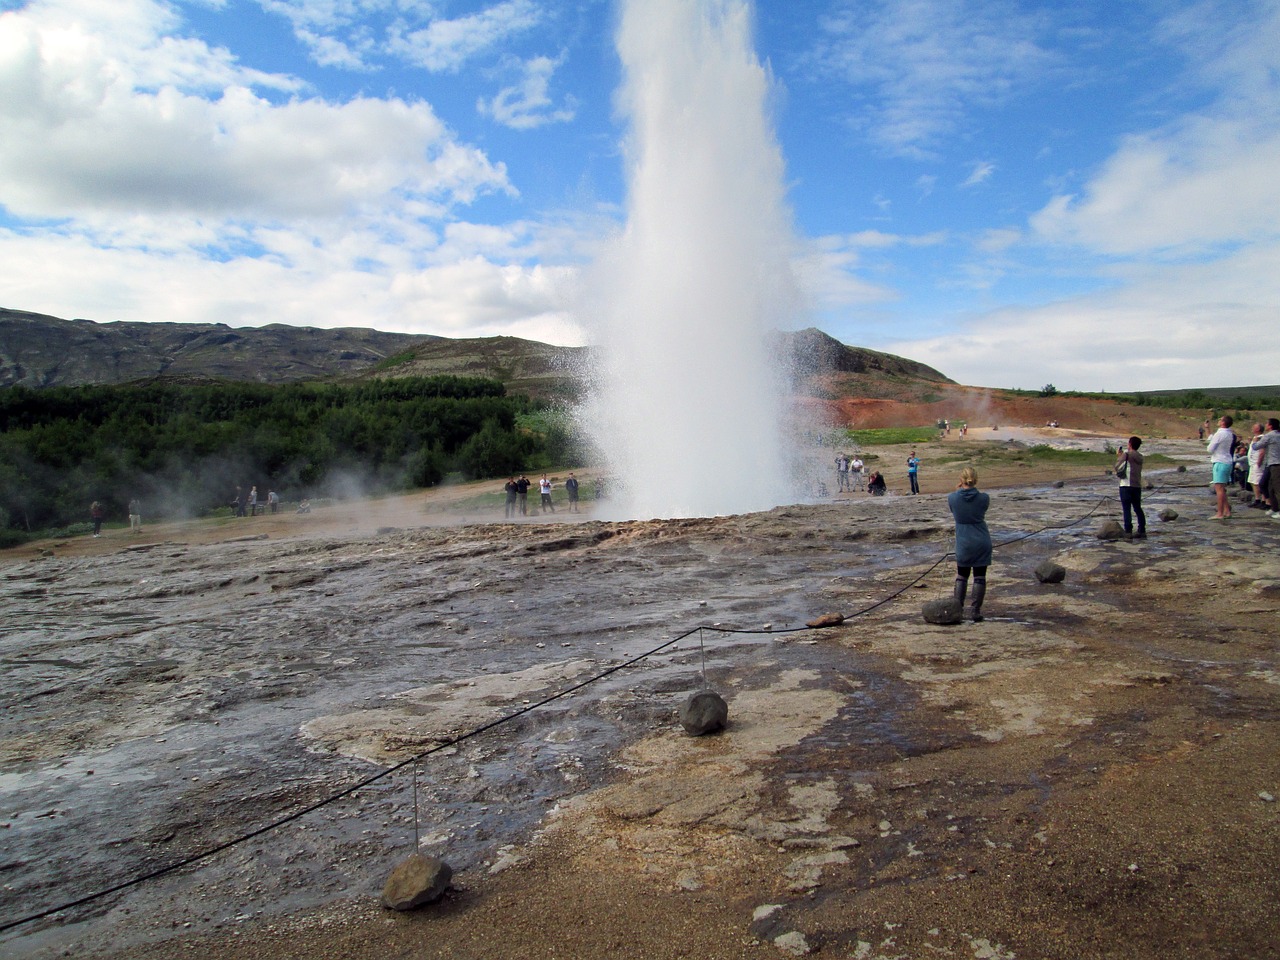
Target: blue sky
(1016, 193)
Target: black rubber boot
(962, 585)
(979, 594)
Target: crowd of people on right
(1252, 464)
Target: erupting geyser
(688, 402)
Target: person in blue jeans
(913, 472)
(1129, 470)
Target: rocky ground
(1091, 772)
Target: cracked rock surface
(1081, 775)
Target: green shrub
(184, 449)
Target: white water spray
(687, 409)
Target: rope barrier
(500, 721)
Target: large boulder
(944, 611)
(704, 712)
(415, 882)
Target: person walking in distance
(913, 472)
(1129, 470)
(973, 540)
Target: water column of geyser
(687, 408)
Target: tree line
(183, 449)
(1171, 399)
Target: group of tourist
(98, 513)
(851, 475)
(1252, 463)
(247, 505)
(517, 495)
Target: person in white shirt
(857, 479)
(1221, 451)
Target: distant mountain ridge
(40, 351)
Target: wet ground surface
(167, 698)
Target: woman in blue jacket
(973, 540)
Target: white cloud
(320, 15)
(179, 193)
(476, 297)
(1180, 228)
(445, 45)
(998, 239)
(1207, 181)
(528, 104)
(71, 51)
(829, 268)
(925, 63)
(364, 282)
(331, 52)
(982, 171)
(1164, 326)
(80, 133)
(1204, 181)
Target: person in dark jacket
(511, 490)
(973, 540)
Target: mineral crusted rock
(417, 881)
(1050, 572)
(1110, 530)
(704, 712)
(826, 620)
(945, 611)
(792, 943)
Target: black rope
(506, 718)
